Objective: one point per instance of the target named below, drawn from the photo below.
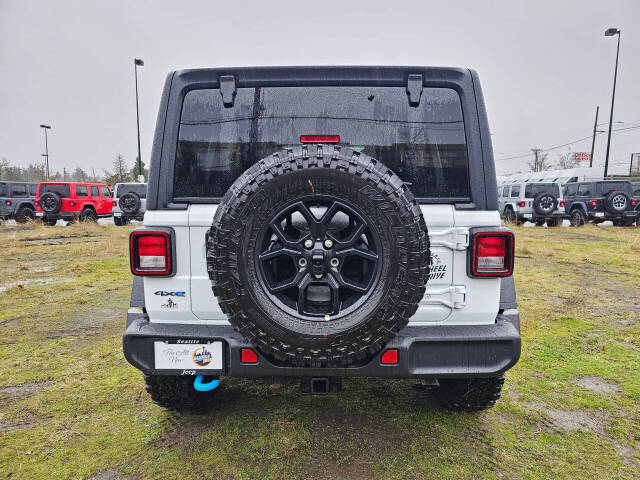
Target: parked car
(276, 245)
(535, 202)
(73, 201)
(599, 201)
(17, 201)
(129, 202)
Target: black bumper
(423, 351)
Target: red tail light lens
(521, 204)
(594, 203)
(492, 254)
(248, 356)
(562, 203)
(389, 357)
(319, 138)
(150, 253)
(7, 202)
(634, 202)
(113, 203)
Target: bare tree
(565, 161)
(539, 163)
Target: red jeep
(72, 201)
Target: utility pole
(64, 173)
(138, 63)
(610, 32)
(593, 141)
(46, 146)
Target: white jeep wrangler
(129, 202)
(319, 223)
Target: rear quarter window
(425, 146)
(3, 189)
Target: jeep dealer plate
(188, 356)
(599, 214)
(117, 214)
(39, 214)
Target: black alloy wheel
(318, 257)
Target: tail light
(634, 202)
(562, 203)
(7, 202)
(319, 138)
(521, 204)
(113, 203)
(151, 252)
(492, 254)
(594, 203)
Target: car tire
(554, 222)
(130, 203)
(176, 392)
(545, 203)
(24, 214)
(616, 202)
(50, 202)
(118, 221)
(51, 221)
(577, 218)
(468, 394)
(314, 329)
(539, 222)
(510, 216)
(89, 215)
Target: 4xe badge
(164, 293)
(202, 357)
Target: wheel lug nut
(328, 243)
(302, 262)
(308, 243)
(334, 262)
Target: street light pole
(46, 146)
(610, 32)
(138, 63)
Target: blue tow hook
(205, 387)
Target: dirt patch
(590, 420)
(628, 454)
(22, 390)
(10, 323)
(597, 384)
(28, 421)
(110, 474)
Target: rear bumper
(591, 215)
(436, 351)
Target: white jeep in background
(319, 223)
(129, 202)
(535, 202)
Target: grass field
(71, 406)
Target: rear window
(3, 189)
(33, 187)
(139, 189)
(81, 191)
(533, 189)
(425, 146)
(62, 190)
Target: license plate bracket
(188, 355)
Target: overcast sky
(544, 65)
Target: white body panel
(452, 296)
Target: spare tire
(129, 203)
(616, 202)
(50, 202)
(318, 255)
(545, 203)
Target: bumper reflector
(389, 357)
(248, 356)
